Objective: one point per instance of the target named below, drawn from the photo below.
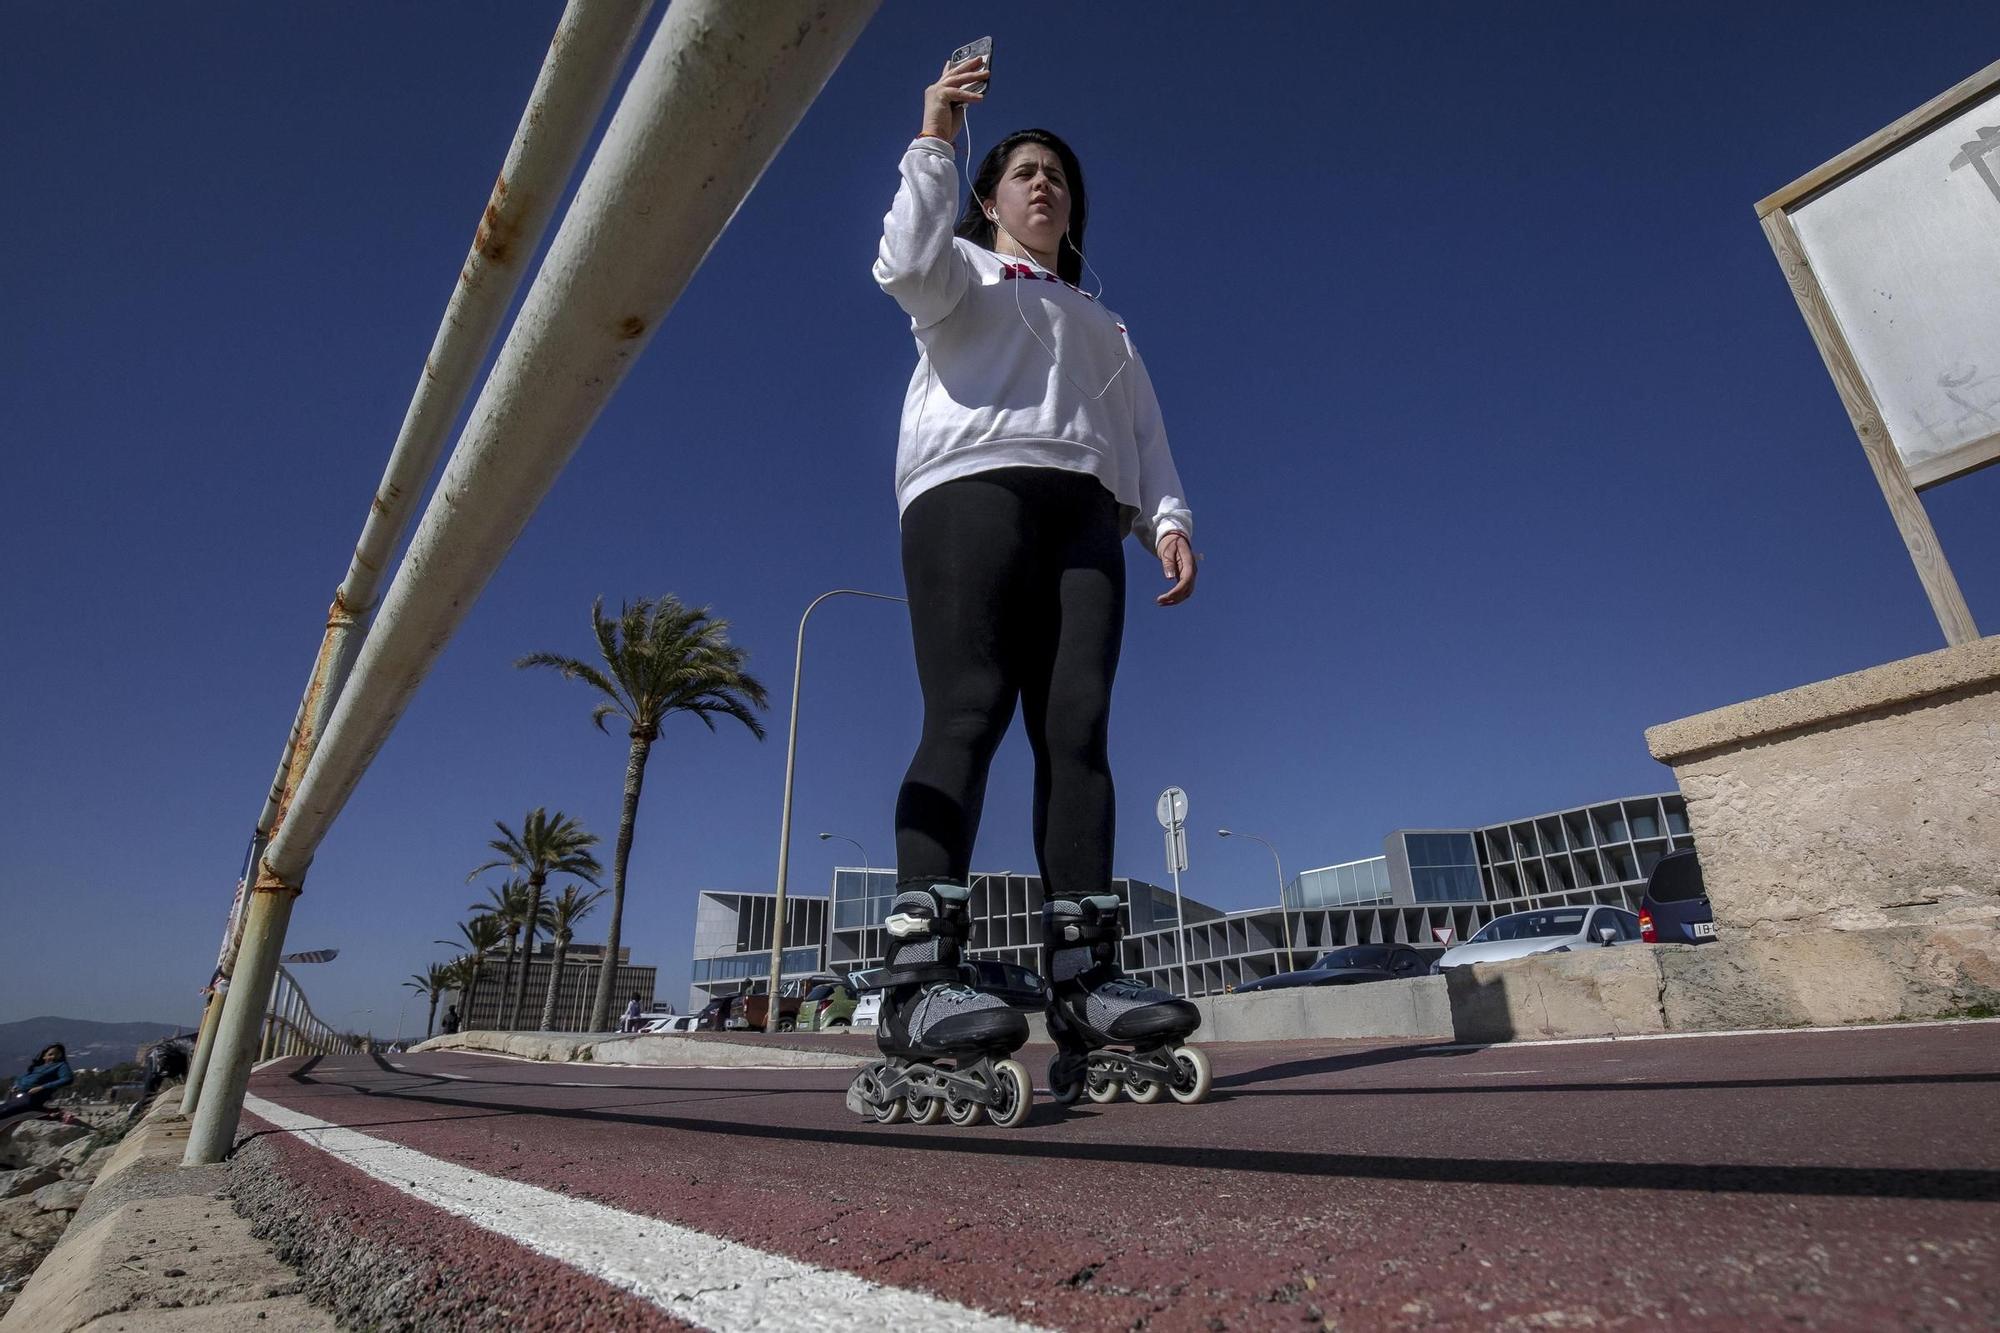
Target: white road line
(706, 1280)
(1733, 1032)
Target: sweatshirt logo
(1010, 271)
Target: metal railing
(292, 1028)
(719, 88)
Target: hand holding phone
(963, 82)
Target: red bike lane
(1846, 1180)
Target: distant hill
(90, 1045)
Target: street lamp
(785, 824)
(1284, 911)
(867, 875)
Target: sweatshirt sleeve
(1161, 506)
(918, 263)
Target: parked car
(672, 1023)
(1544, 930)
(1350, 966)
(755, 1009)
(714, 1015)
(827, 1006)
(1675, 909)
(867, 1009)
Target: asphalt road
(1846, 1180)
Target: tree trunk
(527, 952)
(506, 983)
(635, 778)
(471, 992)
(430, 1019)
(555, 984)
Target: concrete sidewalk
(156, 1248)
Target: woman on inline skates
(1031, 444)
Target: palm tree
(508, 905)
(433, 982)
(572, 906)
(548, 844)
(481, 935)
(657, 658)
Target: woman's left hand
(1176, 563)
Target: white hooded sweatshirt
(985, 394)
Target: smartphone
(982, 47)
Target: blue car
(1675, 909)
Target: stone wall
(1849, 834)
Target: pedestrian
(449, 1023)
(164, 1061)
(1031, 445)
(630, 1023)
(48, 1073)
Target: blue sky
(1503, 435)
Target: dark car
(1675, 909)
(714, 1015)
(1350, 966)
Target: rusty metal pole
(204, 1042)
(719, 89)
(588, 51)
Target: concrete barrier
(1849, 834)
(1415, 1007)
(659, 1049)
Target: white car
(1544, 930)
(672, 1023)
(867, 1010)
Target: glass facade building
(1431, 887)
(732, 941)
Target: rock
(74, 1154)
(27, 1180)
(64, 1194)
(94, 1163)
(21, 1220)
(32, 1142)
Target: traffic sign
(1176, 848)
(1172, 808)
(1443, 934)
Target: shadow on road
(1956, 1185)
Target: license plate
(1704, 930)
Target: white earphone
(992, 212)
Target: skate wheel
(926, 1110)
(889, 1112)
(1192, 1077)
(1101, 1088)
(1145, 1092)
(1066, 1078)
(1015, 1092)
(963, 1114)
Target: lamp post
(785, 823)
(1284, 910)
(867, 874)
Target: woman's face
(49, 1053)
(1032, 198)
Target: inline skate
(944, 1044)
(1095, 1010)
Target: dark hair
(975, 226)
(55, 1046)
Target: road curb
(162, 1248)
(677, 1051)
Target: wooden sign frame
(1899, 484)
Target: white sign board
(1176, 849)
(1442, 934)
(1172, 808)
(1907, 252)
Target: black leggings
(1016, 580)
